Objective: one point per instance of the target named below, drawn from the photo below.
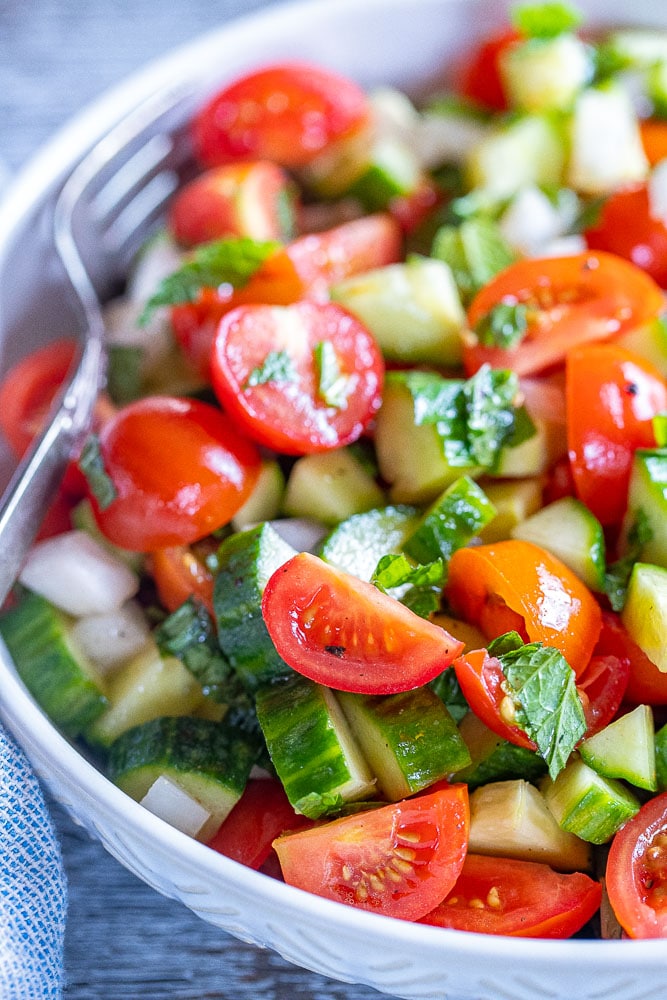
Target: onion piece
(172, 803)
(112, 638)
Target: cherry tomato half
(647, 684)
(603, 683)
(517, 898)
(178, 469)
(287, 113)
(340, 631)
(481, 80)
(399, 860)
(299, 379)
(481, 678)
(517, 585)
(569, 300)
(627, 228)
(637, 872)
(612, 396)
(178, 573)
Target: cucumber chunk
(357, 544)
(410, 740)
(625, 749)
(545, 74)
(568, 530)
(587, 804)
(529, 149)
(661, 758)
(312, 747)
(330, 486)
(645, 611)
(265, 501)
(494, 759)
(514, 501)
(451, 522)
(647, 493)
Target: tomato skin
(573, 300)
(290, 415)
(626, 228)
(179, 471)
(519, 899)
(499, 585)
(179, 574)
(480, 677)
(287, 113)
(482, 80)
(343, 632)
(637, 871)
(612, 396)
(398, 860)
(646, 685)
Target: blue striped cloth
(33, 891)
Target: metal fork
(105, 210)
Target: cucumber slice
(606, 149)
(51, 664)
(494, 759)
(661, 758)
(649, 341)
(587, 804)
(474, 250)
(312, 747)
(545, 74)
(330, 486)
(357, 544)
(208, 760)
(534, 455)
(510, 819)
(647, 493)
(637, 47)
(568, 530)
(625, 749)
(529, 149)
(266, 499)
(246, 560)
(514, 501)
(393, 171)
(451, 522)
(645, 611)
(412, 309)
(410, 740)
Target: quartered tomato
(515, 585)
(481, 80)
(612, 396)
(627, 228)
(636, 874)
(517, 898)
(179, 573)
(177, 470)
(568, 301)
(340, 631)
(299, 379)
(481, 679)
(646, 684)
(399, 860)
(287, 113)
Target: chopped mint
(423, 580)
(475, 251)
(315, 805)
(189, 634)
(503, 326)
(333, 387)
(277, 366)
(92, 465)
(448, 689)
(545, 20)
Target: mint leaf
(618, 573)
(230, 261)
(545, 20)
(333, 387)
(315, 805)
(189, 634)
(448, 690)
(92, 465)
(277, 366)
(503, 326)
(474, 250)
(509, 642)
(424, 581)
(490, 412)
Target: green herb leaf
(509, 642)
(490, 413)
(332, 387)
(189, 635)
(315, 805)
(618, 573)
(474, 250)
(92, 465)
(229, 261)
(503, 326)
(124, 374)
(424, 581)
(277, 366)
(448, 689)
(545, 20)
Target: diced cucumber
(514, 501)
(661, 758)
(312, 747)
(647, 493)
(545, 74)
(468, 634)
(265, 501)
(147, 687)
(533, 456)
(606, 148)
(529, 149)
(649, 341)
(451, 522)
(568, 530)
(625, 749)
(510, 819)
(645, 611)
(587, 804)
(494, 759)
(474, 250)
(392, 171)
(330, 486)
(358, 543)
(637, 47)
(51, 664)
(208, 760)
(410, 740)
(412, 309)
(246, 560)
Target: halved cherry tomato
(627, 228)
(603, 683)
(237, 199)
(178, 574)
(340, 631)
(268, 370)
(517, 898)
(612, 396)
(569, 300)
(287, 113)
(262, 813)
(636, 874)
(178, 469)
(517, 585)
(481, 79)
(481, 679)
(399, 860)
(647, 685)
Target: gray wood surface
(124, 941)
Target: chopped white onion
(657, 192)
(606, 146)
(301, 533)
(172, 803)
(564, 246)
(530, 221)
(110, 639)
(159, 258)
(78, 575)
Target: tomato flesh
(481, 679)
(627, 228)
(482, 81)
(637, 872)
(516, 898)
(343, 632)
(399, 860)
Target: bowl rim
(29, 724)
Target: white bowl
(408, 43)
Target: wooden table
(124, 941)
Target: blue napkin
(33, 890)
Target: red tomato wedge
(286, 113)
(481, 679)
(399, 860)
(300, 379)
(637, 872)
(612, 396)
(516, 898)
(153, 451)
(603, 684)
(517, 585)
(627, 228)
(569, 300)
(646, 683)
(343, 632)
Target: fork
(104, 212)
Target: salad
(361, 576)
